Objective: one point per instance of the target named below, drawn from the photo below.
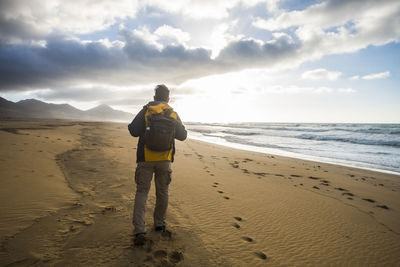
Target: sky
(224, 60)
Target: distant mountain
(107, 113)
(33, 108)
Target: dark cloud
(17, 21)
(252, 53)
(16, 30)
(64, 62)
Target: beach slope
(68, 189)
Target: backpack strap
(167, 112)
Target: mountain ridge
(33, 108)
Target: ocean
(369, 146)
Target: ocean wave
(240, 133)
(384, 131)
(393, 143)
(233, 139)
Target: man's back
(154, 161)
(138, 128)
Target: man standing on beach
(155, 152)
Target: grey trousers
(143, 176)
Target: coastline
(228, 207)
(278, 152)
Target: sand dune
(67, 195)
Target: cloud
(175, 34)
(139, 58)
(41, 45)
(332, 27)
(319, 74)
(200, 9)
(327, 14)
(21, 20)
(376, 76)
(252, 53)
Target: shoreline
(294, 155)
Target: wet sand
(67, 195)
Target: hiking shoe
(160, 229)
(140, 234)
(140, 239)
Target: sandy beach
(67, 192)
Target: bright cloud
(167, 31)
(200, 9)
(375, 76)
(319, 74)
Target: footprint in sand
(175, 256)
(248, 239)
(239, 219)
(221, 192)
(214, 185)
(383, 207)
(142, 241)
(245, 171)
(369, 200)
(167, 235)
(261, 255)
(237, 226)
(295, 175)
(226, 197)
(158, 254)
(340, 189)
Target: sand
(67, 193)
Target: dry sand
(67, 193)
